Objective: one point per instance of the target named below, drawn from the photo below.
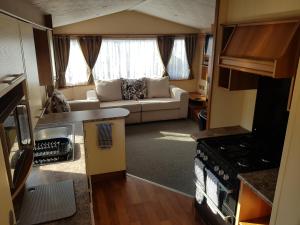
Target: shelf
(257, 221)
(234, 80)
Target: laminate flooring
(133, 201)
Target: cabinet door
(30, 62)
(6, 206)
(100, 161)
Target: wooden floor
(133, 201)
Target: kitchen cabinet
(233, 79)
(267, 49)
(104, 160)
(257, 190)
(6, 209)
(251, 208)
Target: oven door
(215, 202)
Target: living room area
(113, 100)
(156, 69)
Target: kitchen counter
(84, 116)
(223, 131)
(263, 183)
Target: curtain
(128, 58)
(165, 46)
(61, 46)
(78, 71)
(190, 47)
(178, 67)
(90, 47)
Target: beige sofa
(143, 110)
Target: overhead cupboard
(268, 49)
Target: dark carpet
(163, 152)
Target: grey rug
(163, 152)
(45, 203)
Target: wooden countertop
(263, 183)
(84, 116)
(223, 131)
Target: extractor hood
(269, 48)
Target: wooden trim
(130, 35)
(107, 176)
(213, 59)
(24, 20)
(263, 21)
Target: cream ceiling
(195, 13)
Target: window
(128, 58)
(77, 70)
(178, 67)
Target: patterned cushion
(134, 89)
(59, 103)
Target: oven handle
(225, 218)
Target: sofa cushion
(158, 88)
(131, 105)
(108, 90)
(134, 89)
(59, 103)
(156, 104)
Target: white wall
(286, 207)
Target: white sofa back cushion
(109, 90)
(158, 88)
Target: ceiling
(194, 13)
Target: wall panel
(10, 47)
(30, 63)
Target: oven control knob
(216, 168)
(221, 172)
(226, 177)
(205, 157)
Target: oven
(216, 191)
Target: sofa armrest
(183, 97)
(91, 95)
(87, 104)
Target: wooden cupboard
(251, 208)
(102, 161)
(268, 49)
(6, 209)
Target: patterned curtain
(165, 46)
(90, 46)
(61, 46)
(190, 47)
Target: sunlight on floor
(174, 136)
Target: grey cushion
(158, 88)
(155, 104)
(59, 103)
(131, 105)
(108, 90)
(134, 89)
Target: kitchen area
(237, 166)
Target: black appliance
(219, 159)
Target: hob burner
(243, 163)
